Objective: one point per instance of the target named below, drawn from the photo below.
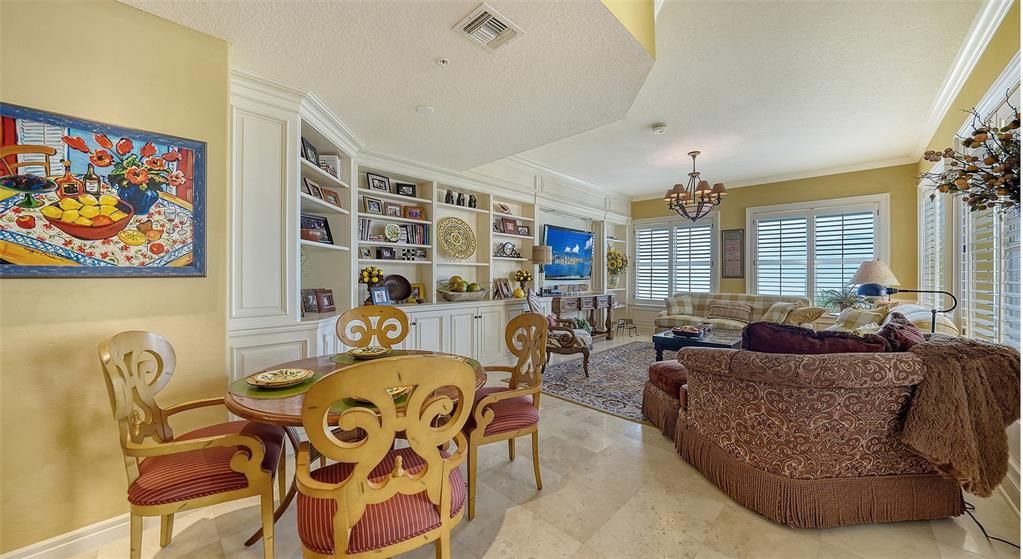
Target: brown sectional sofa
(805, 440)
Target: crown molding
(562, 176)
(983, 29)
(805, 175)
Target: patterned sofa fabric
(804, 416)
(701, 305)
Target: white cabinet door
(461, 331)
(428, 332)
(490, 346)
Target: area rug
(615, 385)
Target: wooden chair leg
(586, 362)
(471, 468)
(266, 506)
(136, 537)
(166, 529)
(536, 459)
(443, 545)
(511, 449)
(282, 483)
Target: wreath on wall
(984, 171)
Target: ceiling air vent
(487, 28)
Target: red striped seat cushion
(197, 473)
(400, 518)
(509, 415)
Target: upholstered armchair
(563, 337)
(810, 440)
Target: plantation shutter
(841, 242)
(693, 266)
(781, 256)
(653, 263)
(933, 254)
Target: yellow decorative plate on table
(280, 378)
(456, 238)
(371, 352)
(395, 392)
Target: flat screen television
(572, 253)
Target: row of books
(407, 233)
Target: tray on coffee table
(668, 341)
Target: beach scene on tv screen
(573, 253)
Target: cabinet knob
(413, 323)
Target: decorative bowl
(398, 287)
(442, 288)
(280, 378)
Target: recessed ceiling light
(659, 127)
(424, 110)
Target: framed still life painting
(84, 199)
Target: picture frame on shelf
(379, 296)
(524, 230)
(309, 152)
(306, 189)
(497, 227)
(385, 253)
(317, 224)
(314, 189)
(373, 205)
(309, 301)
(379, 183)
(331, 197)
(510, 226)
(503, 287)
(331, 163)
(325, 300)
(392, 210)
(366, 252)
(503, 208)
(418, 292)
(415, 212)
(405, 189)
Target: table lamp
(542, 255)
(874, 278)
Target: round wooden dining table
(283, 407)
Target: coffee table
(667, 340)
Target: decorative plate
(395, 392)
(456, 238)
(370, 352)
(392, 232)
(280, 378)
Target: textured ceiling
(372, 63)
(774, 89)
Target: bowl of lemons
(458, 289)
(88, 217)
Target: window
(670, 258)
(934, 262)
(802, 249)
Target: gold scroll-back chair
(167, 473)
(501, 413)
(375, 501)
(358, 327)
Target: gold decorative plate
(392, 232)
(280, 378)
(456, 238)
(395, 392)
(371, 352)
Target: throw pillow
(679, 304)
(901, 333)
(552, 321)
(767, 337)
(804, 315)
(851, 319)
(778, 312)
(730, 310)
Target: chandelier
(696, 199)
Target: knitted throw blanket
(960, 410)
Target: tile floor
(613, 489)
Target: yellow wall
(638, 17)
(60, 466)
(1004, 44)
(899, 182)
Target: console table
(588, 304)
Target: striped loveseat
(701, 301)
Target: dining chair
(501, 413)
(168, 474)
(374, 501)
(358, 327)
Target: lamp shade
(874, 271)
(542, 254)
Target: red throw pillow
(769, 337)
(551, 321)
(900, 333)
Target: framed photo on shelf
(503, 287)
(385, 253)
(497, 227)
(309, 301)
(392, 210)
(331, 197)
(305, 186)
(317, 223)
(373, 205)
(405, 189)
(524, 230)
(379, 296)
(324, 300)
(309, 152)
(314, 188)
(418, 292)
(330, 163)
(378, 182)
(366, 252)
(415, 212)
(509, 226)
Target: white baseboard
(81, 540)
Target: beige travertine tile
(707, 552)
(744, 534)
(896, 540)
(515, 479)
(692, 513)
(628, 535)
(951, 552)
(587, 552)
(575, 508)
(520, 534)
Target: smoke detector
(487, 28)
(659, 128)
